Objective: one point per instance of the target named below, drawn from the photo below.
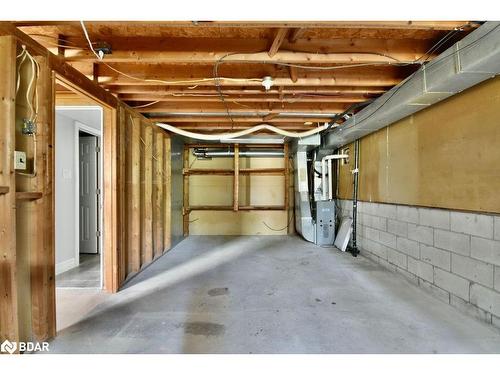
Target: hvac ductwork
(207, 153)
(472, 60)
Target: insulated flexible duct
(221, 136)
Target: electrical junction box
(325, 223)
(19, 160)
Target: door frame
(100, 166)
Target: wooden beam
(237, 119)
(236, 178)
(9, 317)
(278, 40)
(411, 25)
(60, 41)
(294, 34)
(111, 199)
(207, 57)
(146, 194)
(58, 64)
(259, 109)
(338, 79)
(95, 73)
(243, 91)
(240, 208)
(4, 190)
(158, 193)
(167, 193)
(231, 172)
(246, 99)
(133, 194)
(293, 73)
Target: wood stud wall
(136, 169)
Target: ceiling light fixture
(267, 82)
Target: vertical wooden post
(9, 326)
(167, 194)
(111, 200)
(185, 204)
(158, 193)
(122, 143)
(43, 258)
(287, 183)
(236, 181)
(133, 195)
(147, 194)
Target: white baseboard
(66, 266)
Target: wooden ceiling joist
(167, 68)
(207, 57)
(236, 119)
(413, 25)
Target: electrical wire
(281, 229)
(100, 57)
(31, 102)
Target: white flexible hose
(221, 136)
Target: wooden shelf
(4, 190)
(230, 172)
(28, 195)
(240, 208)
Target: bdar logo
(8, 347)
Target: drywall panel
(444, 156)
(65, 180)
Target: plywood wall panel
(445, 156)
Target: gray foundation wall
(453, 255)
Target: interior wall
(205, 190)
(65, 181)
(445, 156)
(66, 126)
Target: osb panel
(446, 156)
(238, 223)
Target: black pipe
(354, 247)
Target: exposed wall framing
(27, 259)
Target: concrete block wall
(453, 255)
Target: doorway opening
(78, 176)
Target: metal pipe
(328, 158)
(354, 249)
(217, 153)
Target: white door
(88, 194)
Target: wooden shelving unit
(236, 171)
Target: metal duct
(470, 61)
(222, 153)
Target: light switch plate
(19, 160)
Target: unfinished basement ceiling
(364, 60)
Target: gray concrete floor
(265, 294)
(86, 275)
